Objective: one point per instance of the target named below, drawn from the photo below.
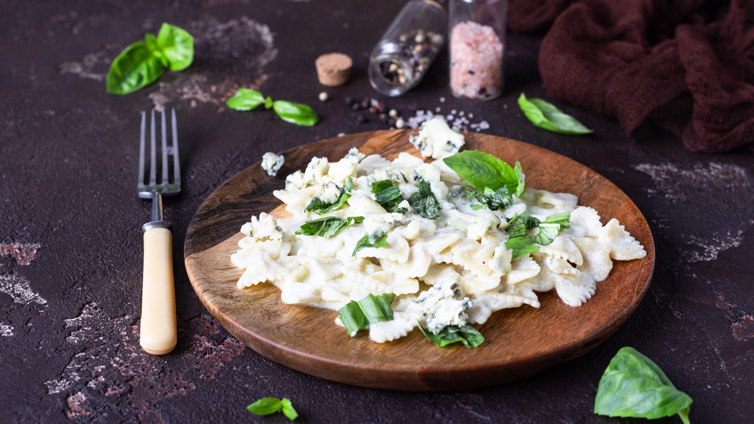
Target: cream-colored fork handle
(159, 332)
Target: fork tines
(165, 186)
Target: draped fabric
(683, 65)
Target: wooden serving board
(519, 342)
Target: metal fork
(159, 333)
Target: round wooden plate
(519, 342)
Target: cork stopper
(333, 69)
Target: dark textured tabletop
(70, 222)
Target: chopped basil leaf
(328, 226)
(364, 242)
(547, 116)
(547, 233)
(634, 386)
(320, 208)
(520, 242)
(353, 318)
(521, 245)
(387, 194)
(369, 310)
(377, 308)
(424, 202)
(484, 171)
(492, 200)
(467, 334)
(520, 223)
(560, 218)
(270, 405)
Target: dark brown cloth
(684, 65)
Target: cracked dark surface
(70, 238)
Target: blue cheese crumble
(443, 305)
(437, 140)
(272, 163)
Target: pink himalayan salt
(476, 61)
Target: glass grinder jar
(409, 46)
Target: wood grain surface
(519, 342)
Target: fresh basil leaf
(377, 308)
(176, 46)
(328, 226)
(134, 68)
(548, 117)
(295, 113)
(265, 406)
(247, 99)
(353, 318)
(634, 386)
(320, 208)
(547, 233)
(369, 310)
(521, 245)
(364, 242)
(151, 42)
(467, 334)
(492, 200)
(518, 224)
(381, 185)
(288, 410)
(424, 202)
(387, 194)
(561, 219)
(484, 171)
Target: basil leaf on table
(248, 99)
(295, 113)
(467, 334)
(634, 386)
(176, 46)
(484, 171)
(143, 62)
(270, 405)
(287, 409)
(547, 116)
(133, 69)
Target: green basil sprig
(270, 405)
(467, 334)
(634, 386)
(144, 62)
(295, 113)
(369, 310)
(486, 172)
(547, 116)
